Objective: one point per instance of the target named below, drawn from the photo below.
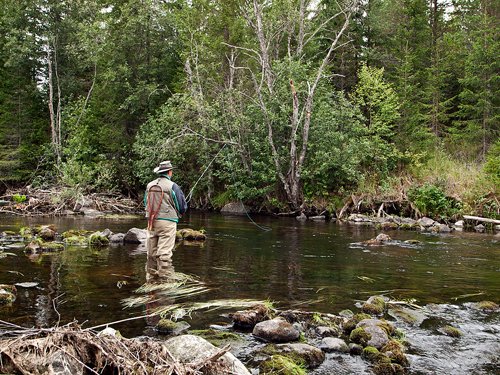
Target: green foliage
(431, 200)
(19, 198)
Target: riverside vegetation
(94, 96)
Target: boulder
(302, 216)
(47, 233)
(426, 222)
(249, 318)
(325, 331)
(194, 349)
(334, 344)
(277, 330)
(116, 238)
(311, 356)
(235, 208)
(135, 235)
(441, 228)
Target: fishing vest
(167, 208)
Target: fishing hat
(164, 166)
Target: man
(165, 203)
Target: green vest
(168, 210)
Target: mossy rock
(372, 309)
(97, 240)
(216, 337)
(7, 294)
(389, 369)
(487, 306)
(10, 233)
(387, 226)
(369, 352)
(178, 236)
(352, 323)
(278, 364)
(193, 235)
(380, 358)
(391, 346)
(398, 357)
(76, 240)
(359, 336)
(166, 326)
(53, 246)
(451, 331)
(413, 241)
(76, 233)
(405, 226)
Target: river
(308, 265)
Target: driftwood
(55, 202)
(477, 218)
(35, 351)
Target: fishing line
(190, 195)
(267, 229)
(188, 198)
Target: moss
(387, 327)
(278, 364)
(380, 358)
(388, 369)
(52, 246)
(76, 240)
(405, 226)
(7, 294)
(370, 352)
(359, 336)
(404, 316)
(398, 357)
(412, 241)
(370, 308)
(451, 331)
(487, 306)
(10, 233)
(97, 240)
(351, 323)
(76, 233)
(212, 334)
(391, 346)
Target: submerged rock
(487, 306)
(334, 344)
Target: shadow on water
(313, 266)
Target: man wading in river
(165, 203)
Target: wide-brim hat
(164, 166)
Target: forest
(288, 105)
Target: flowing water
(311, 266)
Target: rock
(97, 239)
(378, 337)
(171, 327)
(426, 222)
(379, 240)
(108, 331)
(388, 225)
(451, 331)
(194, 349)
(441, 228)
(192, 235)
(351, 323)
(106, 233)
(8, 294)
(301, 216)
(33, 247)
(459, 224)
(407, 315)
(311, 356)
(358, 218)
(116, 238)
(487, 306)
(325, 331)
(249, 318)
(135, 235)
(276, 330)
(389, 369)
(334, 344)
(235, 208)
(47, 233)
(389, 328)
(374, 306)
(479, 228)
(318, 218)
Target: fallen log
(477, 218)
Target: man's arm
(179, 199)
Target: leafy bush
(431, 200)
